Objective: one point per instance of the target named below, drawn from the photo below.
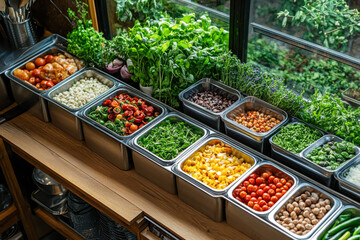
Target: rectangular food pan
(24, 91)
(107, 143)
(253, 139)
(348, 95)
(322, 171)
(347, 209)
(199, 195)
(291, 209)
(10, 57)
(345, 186)
(203, 114)
(65, 117)
(261, 168)
(154, 168)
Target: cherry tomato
(259, 180)
(236, 191)
(250, 204)
(252, 181)
(36, 72)
(262, 203)
(271, 192)
(259, 199)
(134, 127)
(271, 179)
(266, 189)
(279, 185)
(247, 198)
(243, 189)
(257, 207)
(265, 208)
(266, 197)
(270, 204)
(283, 192)
(43, 84)
(289, 184)
(242, 194)
(254, 200)
(259, 192)
(18, 72)
(278, 195)
(30, 66)
(285, 187)
(50, 84)
(262, 186)
(253, 194)
(283, 181)
(246, 183)
(265, 175)
(254, 176)
(32, 80)
(274, 199)
(276, 180)
(49, 58)
(250, 188)
(38, 85)
(40, 62)
(278, 190)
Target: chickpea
(295, 204)
(284, 225)
(293, 231)
(314, 221)
(320, 215)
(297, 210)
(313, 200)
(316, 211)
(302, 205)
(290, 207)
(308, 193)
(306, 213)
(308, 226)
(328, 207)
(299, 232)
(301, 217)
(323, 210)
(317, 205)
(295, 222)
(315, 195)
(287, 220)
(327, 201)
(303, 196)
(312, 206)
(307, 209)
(306, 232)
(322, 204)
(308, 202)
(298, 198)
(307, 220)
(312, 216)
(282, 218)
(291, 225)
(293, 215)
(300, 227)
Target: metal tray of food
(301, 190)
(347, 95)
(346, 209)
(260, 168)
(249, 221)
(322, 170)
(344, 185)
(65, 117)
(155, 168)
(258, 141)
(10, 57)
(203, 114)
(107, 143)
(24, 91)
(199, 195)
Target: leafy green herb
(332, 154)
(131, 10)
(296, 137)
(169, 139)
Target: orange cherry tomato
(133, 127)
(30, 66)
(40, 62)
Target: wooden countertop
(122, 195)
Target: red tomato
(253, 194)
(257, 207)
(266, 189)
(262, 203)
(266, 207)
(247, 198)
(254, 200)
(236, 192)
(259, 199)
(32, 80)
(283, 192)
(43, 84)
(50, 84)
(278, 190)
(252, 181)
(278, 195)
(265, 175)
(285, 187)
(283, 181)
(40, 61)
(250, 188)
(250, 204)
(262, 186)
(289, 184)
(134, 127)
(271, 179)
(49, 58)
(270, 204)
(274, 199)
(276, 180)
(246, 183)
(242, 194)
(30, 66)
(271, 192)
(266, 197)
(279, 185)
(36, 72)
(260, 192)
(259, 180)
(253, 175)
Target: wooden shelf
(147, 235)
(8, 218)
(124, 196)
(57, 225)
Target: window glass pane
(330, 23)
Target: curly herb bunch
(131, 10)
(169, 139)
(85, 42)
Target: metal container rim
(340, 176)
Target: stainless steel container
(203, 114)
(107, 143)
(66, 118)
(201, 196)
(346, 96)
(335, 206)
(295, 161)
(258, 141)
(249, 221)
(347, 209)
(9, 57)
(47, 184)
(154, 168)
(345, 186)
(23, 91)
(323, 172)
